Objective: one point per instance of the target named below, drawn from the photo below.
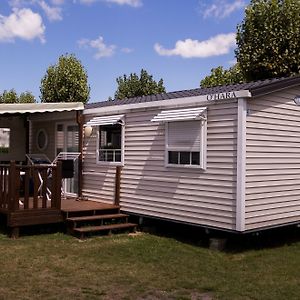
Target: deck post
(14, 232)
(13, 189)
(117, 185)
(79, 118)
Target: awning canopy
(22, 108)
(107, 120)
(180, 115)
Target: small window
(42, 139)
(186, 143)
(110, 143)
(4, 140)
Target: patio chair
(40, 159)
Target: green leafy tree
(134, 85)
(220, 76)
(12, 97)
(9, 96)
(66, 81)
(26, 97)
(268, 39)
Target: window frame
(202, 149)
(42, 131)
(4, 149)
(111, 163)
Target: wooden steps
(85, 223)
(97, 217)
(108, 228)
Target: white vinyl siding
(273, 160)
(181, 194)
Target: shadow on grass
(199, 236)
(234, 242)
(34, 229)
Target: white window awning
(107, 120)
(24, 108)
(180, 115)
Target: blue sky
(177, 40)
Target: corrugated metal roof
(22, 108)
(256, 88)
(179, 114)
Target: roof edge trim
(275, 86)
(177, 102)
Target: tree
(66, 81)
(268, 39)
(220, 76)
(12, 97)
(9, 96)
(26, 97)
(135, 86)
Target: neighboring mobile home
(31, 136)
(40, 128)
(226, 157)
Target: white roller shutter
(184, 135)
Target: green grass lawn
(142, 266)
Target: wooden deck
(71, 204)
(31, 195)
(74, 205)
(70, 207)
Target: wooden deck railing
(30, 187)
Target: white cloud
(87, 1)
(23, 24)
(52, 13)
(102, 50)
(133, 3)
(217, 45)
(127, 50)
(222, 8)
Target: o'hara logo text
(221, 96)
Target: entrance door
(67, 140)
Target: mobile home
(31, 136)
(225, 157)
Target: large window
(110, 143)
(186, 143)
